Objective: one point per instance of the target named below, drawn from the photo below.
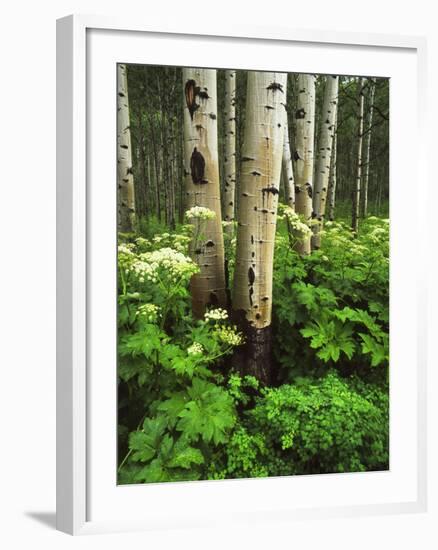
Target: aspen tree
(304, 151)
(287, 169)
(125, 178)
(331, 199)
(230, 149)
(359, 142)
(201, 169)
(325, 146)
(367, 146)
(259, 188)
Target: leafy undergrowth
(184, 411)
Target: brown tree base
(254, 357)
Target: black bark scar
(191, 91)
(274, 86)
(197, 167)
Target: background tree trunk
(260, 179)
(356, 191)
(230, 149)
(304, 150)
(333, 173)
(203, 188)
(325, 146)
(125, 178)
(367, 148)
(287, 169)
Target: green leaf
(140, 443)
(154, 428)
(153, 472)
(209, 415)
(166, 447)
(146, 443)
(143, 342)
(378, 351)
(173, 406)
(185, 456)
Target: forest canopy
(253, 273)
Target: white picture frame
(78, 364)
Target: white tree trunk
(125, 178)
(332, 184)
(260, 180)
(368, 148)
(304, 151)
(325, 146)
(203, 187)
(230, 149)
(287, 169)
(359, 141)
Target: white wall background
(27, 287)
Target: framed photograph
(240, 333)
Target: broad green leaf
(185, 456)
(140, 443)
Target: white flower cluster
(159, 239)
(171, 263)
(125, 256)
(218, 314)
(200, 213)
(229, 335)
(126, 248)
(148, 312)
(181, 242)
(195, 349)
(142, 244)
(297, 226)
(177, 241)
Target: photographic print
(253, 273)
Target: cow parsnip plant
(338, 300)
(184, 411)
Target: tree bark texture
(259, 188)
(367, 146)
(325, 147)
(333, 173)
(125, 178)
(203, 187)
(287, 169)
(359, 141)
(304, 151)
(230, 149)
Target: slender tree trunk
(367, 149)
(230, 149)
(304, 150)
(203, 187)
(149, 200)
(125, 178)
(288, 174)
(356, 191)
(260, 179)
(325, 146)
(332, 183)
(142, 166)
(379, 195)
(156, 171)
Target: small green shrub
(315, 426)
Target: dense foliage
(185, 413)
